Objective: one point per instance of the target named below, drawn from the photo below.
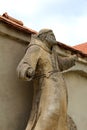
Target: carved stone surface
(42, 64)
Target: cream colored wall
(15, 95)
(13, 33)
(77, 92)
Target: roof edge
(19, 25)
(15, 23)
(73, 50)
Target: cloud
(67, 18)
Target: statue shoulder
(33, 47)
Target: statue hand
(30, 73)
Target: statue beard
(51, 40)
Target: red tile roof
(72, 49)
(12, 22)
(81, 47)
(15, 23)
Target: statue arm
(27, 66)
(66, 62)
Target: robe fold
(49, 106)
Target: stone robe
(49, 107)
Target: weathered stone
(44, 67)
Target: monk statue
(42, 64)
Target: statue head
(47, 36)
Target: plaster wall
(77, 98)
(15, 95)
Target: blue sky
(67, 18)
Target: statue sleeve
(27, 66)
(66, 62)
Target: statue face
(50, 38)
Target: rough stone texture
(44, 67)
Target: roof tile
(12, 19)
(15, 23)
(81, 47)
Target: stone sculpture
(42, 64)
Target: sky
(67, 18)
